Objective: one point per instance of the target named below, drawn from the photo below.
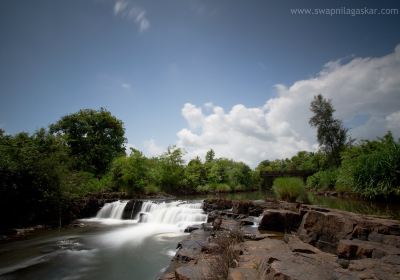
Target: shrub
(323, 180)
(372, 168)
(222, 188)
(151, 189)
(288, 188)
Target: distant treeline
(43, 173)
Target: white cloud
(129, 11)
(152, 148)
(362, 86)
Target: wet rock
(279, 220)
(132, 209)
(246, 222)
(216, 224)
(216, 204)
(241, 206)
(192, 228)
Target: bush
(371, 169)
(222, 188)
(151, 189)
(289, 188)
(323, 180)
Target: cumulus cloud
(152, 148)
(362, 86)
(131, 12)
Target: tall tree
(331, 134)
(94, 138)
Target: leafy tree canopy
(94, 138)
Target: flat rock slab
(242, 274)
(359, 249)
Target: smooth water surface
(105, 248)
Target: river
(107, 247)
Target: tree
(210, 155)
(94, 138)
(331, 134)
(195, 174)
(170, 169)
(32, 171)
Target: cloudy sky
(236, 76)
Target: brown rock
(279, 220)
(242, 274)
(359, 249)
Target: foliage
(323, 180)
(331, 134)
(372, 168)
(302, 161)
(288, 188)
(131, 174)
(94, 138)
(32, 171)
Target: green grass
(289, 188)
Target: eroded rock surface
(289, 241)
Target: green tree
(170, 170)
(32, 171)
(132, 173)
(94, 138)
(195, 174)
(331, 134)
(210, 155)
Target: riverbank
(280, 240)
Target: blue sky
(144, 60)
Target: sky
(233, 75)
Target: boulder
(241, 206)
(279, 220)
(325, 229)
(216, 204)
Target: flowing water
(107, 247)
(136, 244)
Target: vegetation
(331, 134)
(43, 174)
(372, 168)
(323, 180)
(289, 188)
(94, 138)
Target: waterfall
(113, 210)
(178, 213)
(151, 219)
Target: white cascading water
(160, 220)
(113, 210)
(179, 213)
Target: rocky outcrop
(291, 242)
(324, 228)
(280, 220)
